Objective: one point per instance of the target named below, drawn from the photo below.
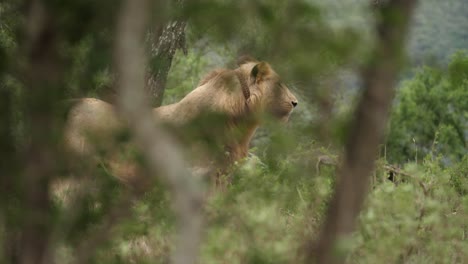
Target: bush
(431, 114)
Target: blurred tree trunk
(42, 91)
(379, 77)
(8, 165)
(161, 152)
(165, 41)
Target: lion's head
(268, 94)
(253, 88)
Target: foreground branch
(371, 116)
(42, 78)
(161, 153)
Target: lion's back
(90, 119)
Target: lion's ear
(260, 71)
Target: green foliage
(420, 220)
(9, 13)
(459, 176)
(267, 211)
(431, 114)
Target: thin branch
(161, 152)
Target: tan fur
(216, 118)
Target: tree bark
(379, 77)
(160, 151)
(164, 44)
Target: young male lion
(217, 119)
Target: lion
(218, 119)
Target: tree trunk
(8, 165)
(42, 90)
(379, 77)
(171, 38)
(161, 152)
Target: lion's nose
(294, 103)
